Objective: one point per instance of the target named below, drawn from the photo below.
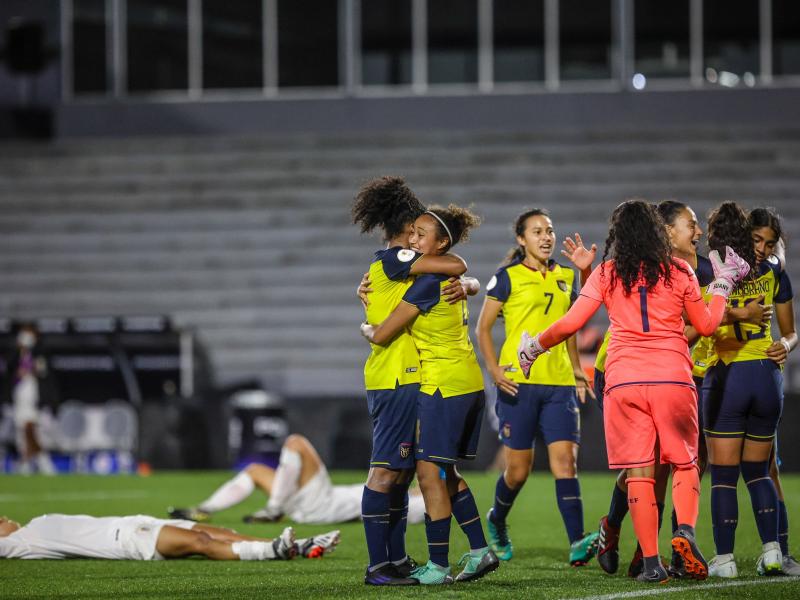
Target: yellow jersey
(441, 335)
(533, 301)
(602, 353)
(398, 363)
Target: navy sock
(618, 508)
(504, 498)
(438, 534)
(660, 506)
(398, 520)
(783, 527)
(466, 514)
(375, 514)
(568, 496)
(724, 506)
(763, 497)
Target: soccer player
(743, 397)
(451, 399)
(392, 375)
(650, 398)
(141, 537)
(532, 291)
(300, 488)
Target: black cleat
(683, 543)
(407, 566)
(387, 575)
(189, 514)
(608, 547)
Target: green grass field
(538, 570)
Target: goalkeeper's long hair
(728, 225)
(386, 202)
(637, 241)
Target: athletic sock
(398, 520)
(253, 550)
(724, 506)
(284, 484)
(783, 527)
(466, 515)
(686, 495)
(644, 513)
(438, 534)
(568, 496)
(618, 508)
(229, 493)
(763, 497)
(504, 498)
(375, 515)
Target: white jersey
(82, 536)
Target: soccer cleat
(683, 543)
(263, 516)
(637, 563)
(387, 575)
(676, 569)
(499, 541)
(771, 560)
(608, 546)
(432, 574)
(406, 567)
(528, 351)
(723, 565)
(790, 565)
(317, 546)
(581, 551)
(189, 514)
(657, 575)
(284, 546)
(477, 567)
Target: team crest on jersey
(562, 285)
(506, 430)
(405, 255)
(405, 450)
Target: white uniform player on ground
(141, 537)
(300, 488)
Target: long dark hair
(669, 210)
(388, 203)
(765, 217)
(728, 225)
(638, 241)
(459, 221)
(517, 253)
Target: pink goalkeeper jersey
(647, 342)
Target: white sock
(44, 464)
(253, 550)
(286, 477)
(229, 493)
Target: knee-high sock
(763, 497)
(398, 520)
(466, 514)
(568, 497)
(783, 527)
(229, 493)
(375, 515)
(686, 495)
(438, 534)
(724, 506)
(504, 498)
(644, 513)
(253, 550)
(618, 508)
(287, 476)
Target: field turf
(539, 568)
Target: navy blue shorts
(449, 428)
(743, 399)
(698, 385)
(599, 385)
(551, 410)
(394, 417)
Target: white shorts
(138, 535)
(26, 401)
(319, 501)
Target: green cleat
(499, 541)
(477, 566)
(432, 574)
(582, 551)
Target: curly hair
(458, 220)
(669, 210)
(765, 217)
(638, 241)
(388, 203)
(728, 225)
(518, 252)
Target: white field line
(73, 496)
(683, 589)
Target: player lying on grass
(141, 537)
(299, 488)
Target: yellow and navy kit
(703, 353)
(533, 301)
(740, 341)
(441, 336)
(602, 353)
(390, 278)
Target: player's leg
(313, 547)
(232, 492)
(176, 542)
(764, 500)
(790, 564)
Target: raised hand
(728, 273)
(577, 253)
